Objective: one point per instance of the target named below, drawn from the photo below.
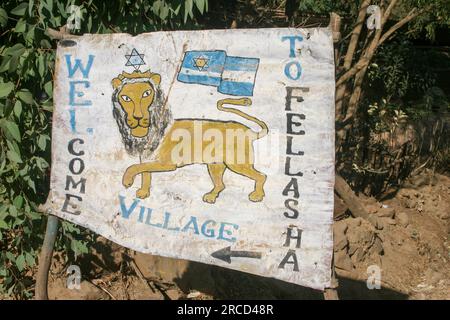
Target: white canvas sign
(215, 146)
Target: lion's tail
(243, 102)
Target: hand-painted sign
(215, 146)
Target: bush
(401, 91)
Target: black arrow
(226, 253)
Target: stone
(340, 239)
(409, 193)
(390, 221)
(365, 234)
(443, 213)
(174, 294)
(410, 203)
(340, 227)
(194, 294)
(433, 277)
(343, 261)
(377, 246)
(385, 222)
(402, 219)
(372, 208)
(360, 237)
(376, 221)
(386, 212)
(352, 247)
(356, 222)
(340, 208)
(358, 256)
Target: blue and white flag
(232, 75)
(238, 76)
(202, 67)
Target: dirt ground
(407, 236)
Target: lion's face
(140, 111)
(136, 99)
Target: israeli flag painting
(202, 67)
(231, 75)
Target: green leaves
(23, 141)
(5, 89)
(10, 128)
(20, 9)
(13, 156)
(41, 65)
(16, 50)
(18, 202)
(202, 5)
(20, 26)
(172, 11)
(25, 96)
(3, 225)
(188, 6)
(42, 141)
(3, 18)
(17, 108)
(30, 260)
(24, 260)
(48, 88)
(20, 262)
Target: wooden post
(331, 292)
(51, 232)
(45, 258)
(335, 26)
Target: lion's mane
(160, 117)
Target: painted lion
(164, 144)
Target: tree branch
(364, 59)
(351, 200)
(355, 34)
(59, 35)
(388, 11)
(411, 15)
(363, 62)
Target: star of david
(201, 63)
(135, 59)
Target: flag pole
(335, 26)
(51, 231)
(45, 257)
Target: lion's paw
(256, 196)
(127, 180)
(143, 193)
(210, 197)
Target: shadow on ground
(350, 289)
(223, 283)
